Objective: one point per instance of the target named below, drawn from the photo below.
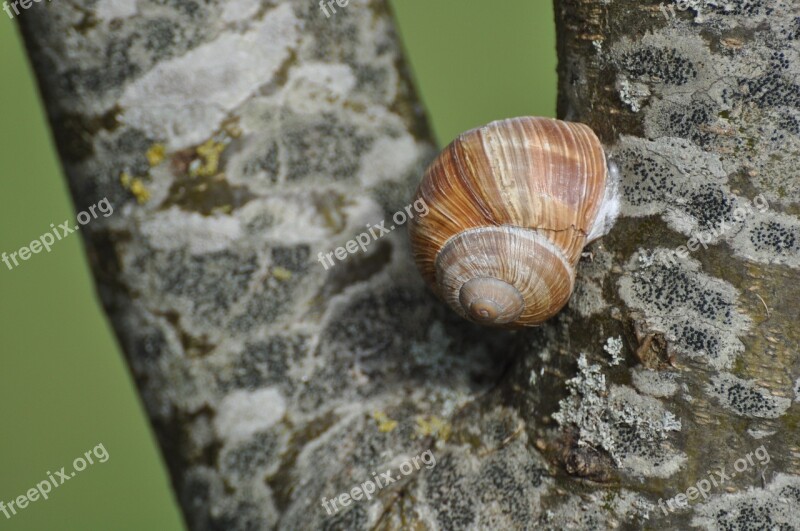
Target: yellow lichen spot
(232, 128)
(136, 186)
(385, 424)
(155, 155)
(210, 152)
(432, 426)
(139, 191)
(281, 273)
(222, 209)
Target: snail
(511, 206)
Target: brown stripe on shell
(530, 172)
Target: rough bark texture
(273, 382)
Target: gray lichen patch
(689, 188)
(774, 239)
(278, 293)
(363, 452)
(725, 13)
(254, 458)
(658, 384)
(99, 56)
(374, 358)
(614, 348)
(321, 145)
(192, 285)
(654, 63)
(697, 313)
(634, 429)
(704, 341)
(598, 510)
(746, 398)
(648, 69)
(302, 137)
(634, 94)
(587, 298)
(196, 234)
(339, 38)
(501, 490)
(731, 92)
(279, 361)
(173, 100)
(771, 507)
(211, 504)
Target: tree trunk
(239, 140)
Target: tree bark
(238, 140)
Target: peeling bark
(237, 140)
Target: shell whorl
(541, 181)
(510, 273)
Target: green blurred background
(64, 387)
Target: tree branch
(239, 140)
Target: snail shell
(511, 206)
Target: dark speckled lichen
(160, 35)
(447, 491)
(771, 236)
(659, 65)
(693, 339)
(767, 507)
(267, 303)
(651, 180)
(352, 518)
(333, 37)
(746, 8)
(265, 164)
(115, 70)
(671, 288)
(372, 79)
(265, 363)
(710, 206)
(258, 457)
(200, 277)
(295, 259)
(690, 121)
(747, 398)
(321, 146)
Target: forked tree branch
(238, 140)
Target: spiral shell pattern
(511, 205)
